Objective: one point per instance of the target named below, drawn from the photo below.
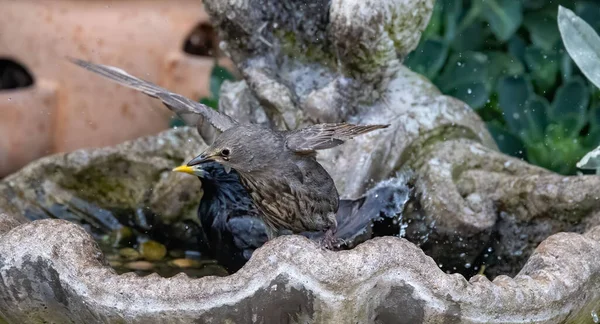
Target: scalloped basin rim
(292, 267)
(53, 270)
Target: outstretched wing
(324, 136)
(177, 103)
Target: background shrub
(506, 59)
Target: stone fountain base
(53, 271)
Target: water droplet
(469, 91)
(595, 317)
(467, 265)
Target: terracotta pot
(144, 37)
(26, 124)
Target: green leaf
(592, 139)
(566, 66)
(589, 11)
(217, 76)
(543, 66)
(469, 38)
(211, 102)
(428, 58)
(434, 26)
(513, 95)
(507, 142)
(502, 64)
(176, 122)
(534, 4)
(569, 106)
(452, 11)
(558, 152)
(595, 117)
(535, 118)
(542, 28)
(582, 43)
(471, 16)
(595, 94)
(491, 111)
(538, 153)
(463, 68)
(466, 77)
(474, 94)
(571, 98)
(504, 16)
(516, 47)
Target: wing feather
(324, 136)
(177, 103)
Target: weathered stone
(153, 251)
(66, 279)
(186, 263)
(181, 204)
(129, 176)
(139, 265)
(129, 254)
(303, 63)
(121, 236)
(337, 61)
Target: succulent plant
(507, 61)
(583, 45)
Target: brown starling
(231, 227)
(278, 168)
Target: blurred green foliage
(218, 75)
(506, 59)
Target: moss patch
(117, 183)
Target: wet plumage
(278, 169)
(232, 228)
(230, 223)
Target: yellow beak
(184, 169)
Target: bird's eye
(225, 152)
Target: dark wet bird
(278, 169)
(232, 228)
(230, 223)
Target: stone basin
(488, 238)
(53, 271)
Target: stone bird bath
(536, 232)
